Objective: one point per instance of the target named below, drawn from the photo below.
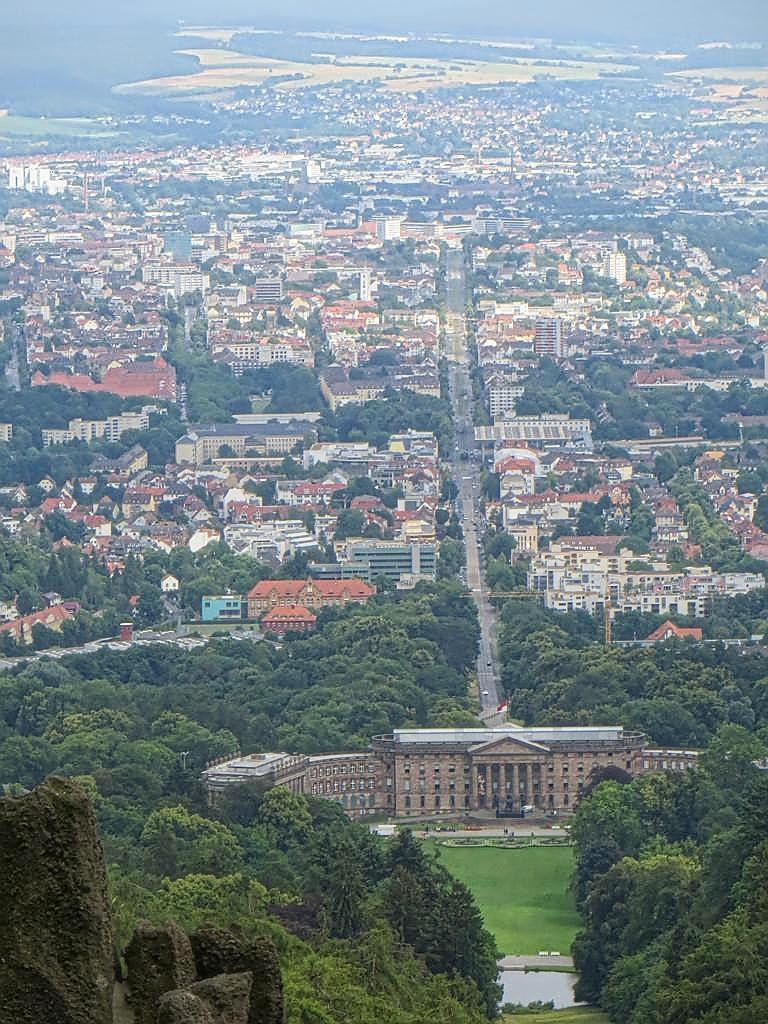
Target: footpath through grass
(524, 894)
(573, 1015)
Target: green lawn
(524, 894)
(573, 1015)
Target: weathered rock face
(221, 951)
(227, 997)
(56, 963)
(159, 960)
(182, 1007)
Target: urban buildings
(242, 441)
(575, 577)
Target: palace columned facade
(432, 772)
(505, 770)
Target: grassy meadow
(523, 893)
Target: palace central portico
(503, 770)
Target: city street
(466, 469)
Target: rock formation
(56, 959)
(57, 963)
(222, 951)
(159, 960)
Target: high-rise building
(548, 339)
(388, 228)
(614, 265)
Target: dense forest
(365, 930)
(678, 693)
(125, 717)
(672, 880)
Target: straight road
(539, 963)
(12, 368)
(466, 469)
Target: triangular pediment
(509, 745)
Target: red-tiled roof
(669, 629)
(288, 612)
(326, 588)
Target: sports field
(523, 894)
(573, 1015)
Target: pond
(532, 986)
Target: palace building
(506, 770)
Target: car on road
(486, 693)
(489, 664)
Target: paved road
(467, 474)
(12, 368)
(144, 638)
(527, 963)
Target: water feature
(529, 986)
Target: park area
(524, 894)
(573, 1015)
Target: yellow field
(225, 69)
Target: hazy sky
(658, 20)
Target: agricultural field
(221, 69)
(523, 893)
(40, 127)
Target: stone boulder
(227, 997)
(223, 951)
(56, 953)
(182, 1007)
(159, 960)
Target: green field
(573, 1015)
(523, 894)
(76, 127)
